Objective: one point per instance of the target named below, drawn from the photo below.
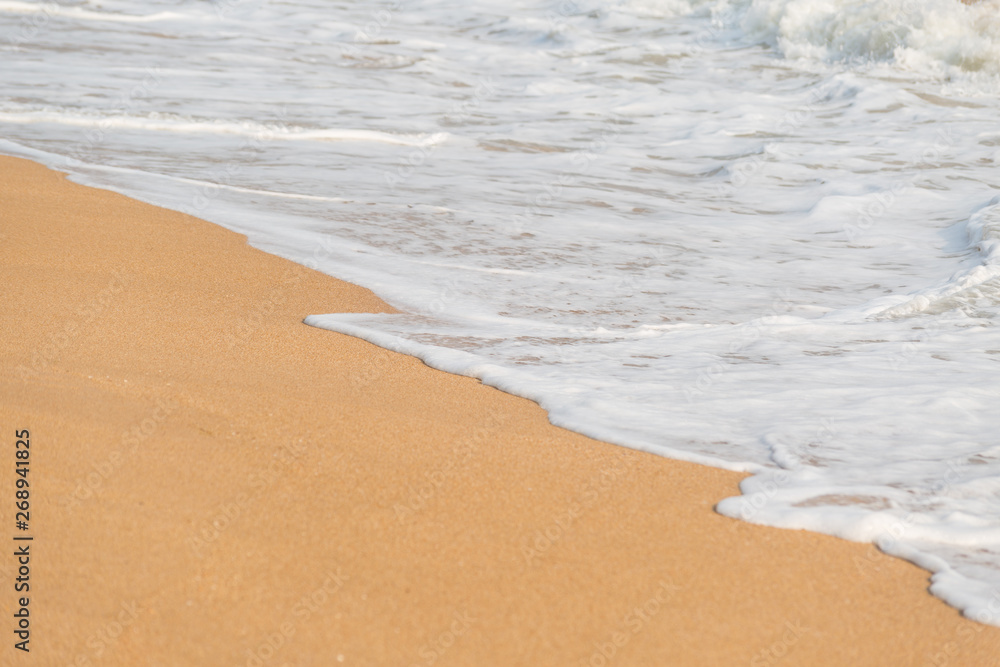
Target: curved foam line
(982, 236)
(510, 381)
(263, 132)
(52, 9)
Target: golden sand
(216, 483)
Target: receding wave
(673, 223)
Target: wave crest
(934, 36)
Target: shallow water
(760, 235)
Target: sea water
(758, 234)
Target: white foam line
(52, 9)
(233, 188)
(510, 381)
(983, 236)
(495, 271)
(262, 132)
(57, 161)
(957, 284)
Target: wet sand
(216, 483)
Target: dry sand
(216, 483)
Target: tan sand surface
(215, 483)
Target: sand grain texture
(215, 483)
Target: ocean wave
(933, 36)
(983, 232)
(670, 236)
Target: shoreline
(218, 483)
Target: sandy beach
(215, 483)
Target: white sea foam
(918, 34)
(759, 234)
(49, 9)
(161, 123)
